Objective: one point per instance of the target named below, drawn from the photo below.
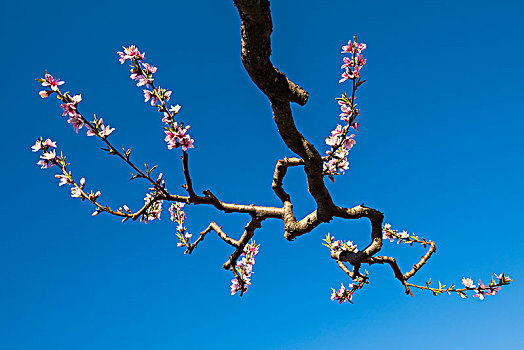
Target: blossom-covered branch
(341, 141)
(256, 28)
(341, 248)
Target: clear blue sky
(439, 152)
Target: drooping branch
(213, 227)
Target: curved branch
(376, 218)
(256, 30)
(422, 261)
(280, 173)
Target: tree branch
(213, 227)
(422, 261)
(256, 29)
(249, 232)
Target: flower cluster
(482, 289)
(154, 209)
(99, 129)
(244, 268)
(50, 158)
(176, 135)
(402, 237)
(178, 216)
(352, 65)
(346, 294)
(388, 233)
(53, 83)
(342, 139)
(337, 245)
(343, 294)
(140, 71)
(70, 109)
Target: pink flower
(76, 192)
(40, 144)
(49, 143)
(123, 57)
(403, 234)
(468, 282)
(174, 109)
(167, 118)
(76, 121)
(150, 95)
(356, 72)
(345, 76)
(169, 138)
(44, 164)
(349, 142)
(492, 290)
(76, 99)
(131, 53)
(235, 287)
(51, 82)
(343, 294)
(331, 141)
(348, 48)
(90, 131)
(338, 131)
(361, 60)
(480, 294)
(351, 247)
(149, 68)
(347, 63)
(37, 146)
(49, 155)
(135, 73)
(69, 108)
(64, 179)
(106, 131)
(142, 81)
(186, 142)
